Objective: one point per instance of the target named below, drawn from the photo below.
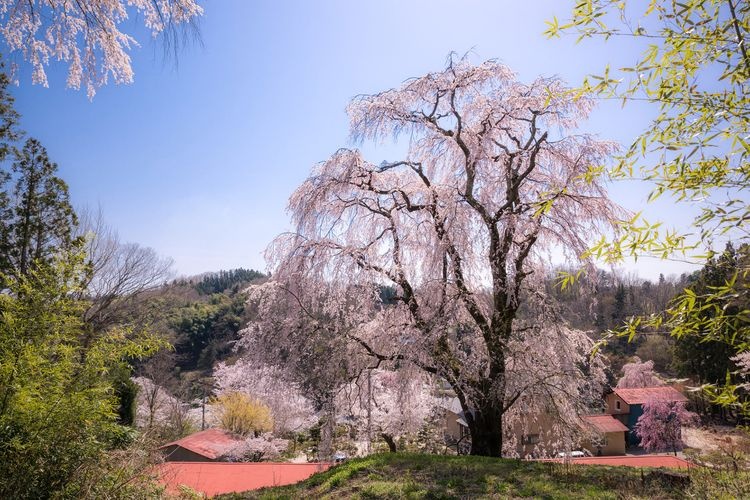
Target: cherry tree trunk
(327, 428)
(390, 442)
(486, 429)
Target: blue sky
(197, 159)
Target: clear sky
(198, 159)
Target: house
(530, 437)
(204, 446)
(609, 435)
(456, 428)
(537, 436)
(626, 405)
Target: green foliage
(8, 135)
(206, 329)
(126, 392)
(39, 219)
(714, 484)
(695, 69)
(58, 407)
(659, 349)
(224, 280)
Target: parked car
(574, 454)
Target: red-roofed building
(223, 477)
(204, 446)
(609, 432)
(626, 405)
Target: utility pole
(203, 409)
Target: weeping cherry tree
(437, 259)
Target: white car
(572, 454)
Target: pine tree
(9, 134)
(41, 219)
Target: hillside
(437, 476)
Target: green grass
(447, 477)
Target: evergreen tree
(40, 219)
(8, 135)
(706, 355)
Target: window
(617, 405)
(463, 431)
(530, 439)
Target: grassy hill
(436, 476)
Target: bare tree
(120, 272)
(156, 376)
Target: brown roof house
(626, 405)
(204, 446)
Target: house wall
(179, 454)
(611, 401)
(613, 444)
(453, 430)
(540, 429)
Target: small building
(456, 427)
(609, 435)
(626, 405)
(204, 446)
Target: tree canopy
(87, 35)
(494, 178)
(696, 70)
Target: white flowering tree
(257, 449)
(438, 259)
(291, 411)
(87, 35)
(638, 373)
(389, 404)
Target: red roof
(605, 423)
(632, 461)
(642, 394)
(211, 443)
(215, 478)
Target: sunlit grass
(444, 477)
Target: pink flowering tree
(638, 373)
(438, 259)
(660, 426)
(87, 35)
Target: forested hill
(200, 317)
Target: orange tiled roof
(211, 443)
(605, 423)
(216, 478)
(642, 394)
